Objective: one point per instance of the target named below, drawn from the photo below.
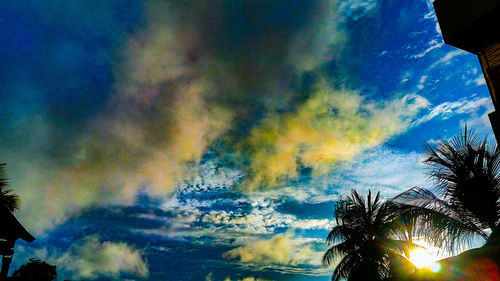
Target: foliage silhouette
(8, 199)
(467, 200)
(374, 237)
(35, 270)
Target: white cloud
(313, 224)
(448, 109)
(421, 84)
(90, 258)
(383, 53)
(263, 220)
(446, 59)
(438, 28)
(381, 169)
(431, 14)
(480, 123)
(433, 45)
(384, 170)
(478, 81)
(361, 7)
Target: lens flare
(421, 258)
(435, 267)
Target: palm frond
(364, 230)
(8, 199)
(341, 232)
(401, 247)
(440, 222)
(4, 181)
(333, 254)
(467, 174)
(344, 268)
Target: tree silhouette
(373, 239)
(35, 270)
(8, 199)
(467, 200)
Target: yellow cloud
(209, 278)
(245, 279)
(178, 88)
(333, 125)
(280, 249)
(157, 124)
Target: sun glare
(422, 258)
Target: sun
(422, 258)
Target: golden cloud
(209, 278)
(280, 249)
(156, 126)
(178, 89)
(332, 125)
(245, 279)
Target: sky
(209, 140)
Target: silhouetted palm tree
(8, 199)
(372, 238)
(467, 201)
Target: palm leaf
(8, 199)
(365, 236)
(440, 222)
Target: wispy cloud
(380, 169)
(357, 8)
(478, 81)
(433, 45)
(448, 109)
(447, 59)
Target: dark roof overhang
(469, 25)
(11, 228)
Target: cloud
(177, 92)
(357, 8)
(265, 219)
(245, 279)
(386, 170)
(447, 59)
(433, 45)
(381, 169)
(313, 224)
(209, 278)
(446, 110)
(280, 249)
(422, 80)
(91, 258)
(174, 91)
(478, 81)
(331, 126)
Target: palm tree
(368, 232)
(467, 201)
(8, 199)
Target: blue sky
(174, 140)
